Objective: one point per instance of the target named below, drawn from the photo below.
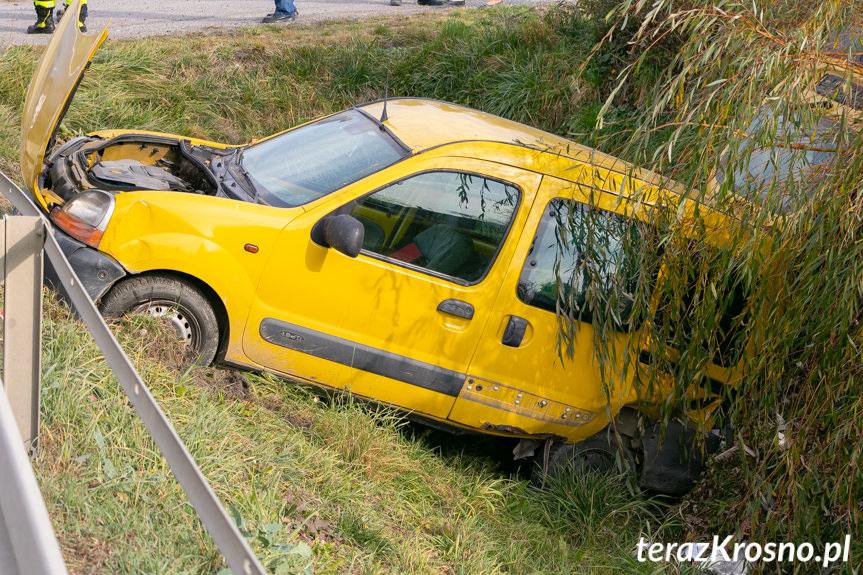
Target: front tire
(179, 303)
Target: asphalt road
(140, 18)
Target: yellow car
(800, 141)
(404, 250)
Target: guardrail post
(23, 238)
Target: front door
(399, 322)
(524, 379)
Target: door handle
(513, 334)
(456, 307)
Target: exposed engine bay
(136, 162)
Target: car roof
(424, 124)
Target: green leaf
(100, 441)
(108, 468)
(301, 550)
(238, 519)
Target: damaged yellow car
(404, 250)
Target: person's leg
(285, 7)
(44, 17)
(82, 16)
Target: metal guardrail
(226, 535)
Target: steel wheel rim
(183, 322)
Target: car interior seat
(444, 248)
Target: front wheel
(179, 304)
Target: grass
(316, 485)
(329, 485)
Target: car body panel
(422, 124)
(60, 68)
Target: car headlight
(85, 216)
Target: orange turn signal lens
(85, 216)
(76, 228)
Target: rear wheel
(177, 303)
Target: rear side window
(577, 248)
(449, 223)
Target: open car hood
(51, 89)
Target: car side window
(447, 222)
(576, 246)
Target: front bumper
(97, 271)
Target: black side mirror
(344, 233)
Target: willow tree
(758, 114)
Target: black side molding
(362, 357)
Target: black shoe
(36, 29)
(430, 2)
(278, 18)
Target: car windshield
(317, 159)
(802, 153)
